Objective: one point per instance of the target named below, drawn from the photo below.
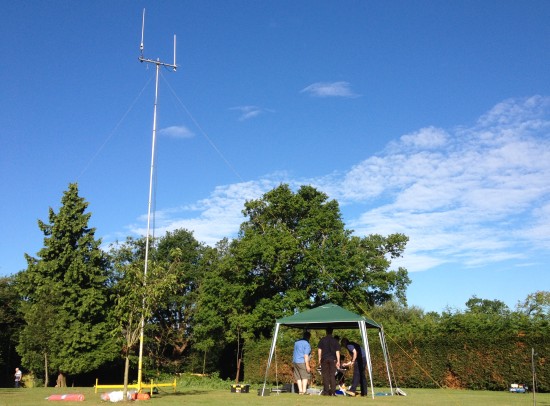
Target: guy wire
(212, 144)
(112, 133)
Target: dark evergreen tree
(66, 295)
(10, 327)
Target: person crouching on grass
(358, 362)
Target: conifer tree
(66, 295)
(10, 327)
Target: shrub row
(459, 360)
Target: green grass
(204, 396)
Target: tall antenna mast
(158, 64)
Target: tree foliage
(137, 295)
(173, 318)
(294, 252)
(486, 346)
(486, 306)
(65, 294)
(75, 308)
(11, 323)
(536, 305)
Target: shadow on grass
(185, 392)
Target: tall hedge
(463, 351)
(489, 353)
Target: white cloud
(330, 89)
(177, 132)
(248, 112)
(469, 195)
(213, 218)
(427, 138)
(510, 112)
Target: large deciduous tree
(173, 318)
(66, 295)
(536, 305)
(294, 252)
(477, 305)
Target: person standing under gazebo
(328, 352)
(300, 361)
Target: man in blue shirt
(300, 360)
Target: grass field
(204, 396)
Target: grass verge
(213, 397)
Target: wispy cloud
(177, 132)
(248, 112)
(212, 218)
(330, 89)
(466, 195)
(470, 195)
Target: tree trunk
(61, 380)
(46, 372)
(126, 372)
(238, 370)
(238, 356)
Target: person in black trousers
(328, 352)
(358, 361)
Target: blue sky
(427, 118)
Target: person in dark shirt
(328, 352)
(358, 362)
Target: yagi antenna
(157, 62)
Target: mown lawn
(205, 396)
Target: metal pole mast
(158, 64)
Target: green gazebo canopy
(329, 315)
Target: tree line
(77, 308)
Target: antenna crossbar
(158, 62)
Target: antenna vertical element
(158, 64)
(142, 31)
